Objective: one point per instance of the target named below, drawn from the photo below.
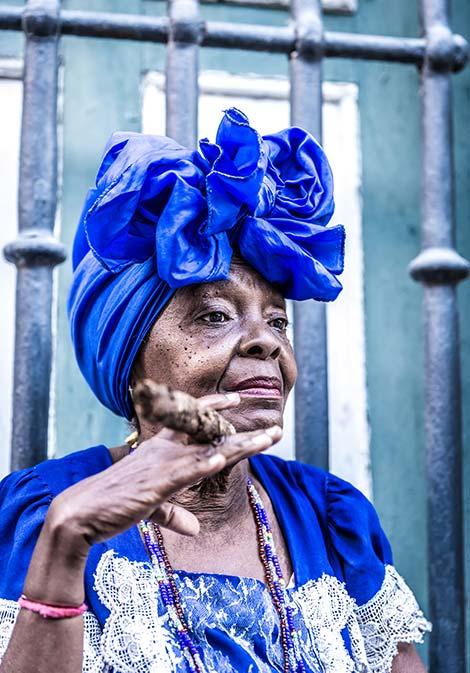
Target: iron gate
(438, 54)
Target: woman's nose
(261, 343)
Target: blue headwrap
(163, 216)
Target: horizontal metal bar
(250, 37)
(10, 17)
(118, 26)
(375, 47)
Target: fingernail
(232, 397)
(216, 459)
(274, 431)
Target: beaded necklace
(171, 599)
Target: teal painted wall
(102, 93)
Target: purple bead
(184, 637)
(166, 593)
(280, 594)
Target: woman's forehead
(243, 283)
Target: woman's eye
(280, 324)
(215, 317)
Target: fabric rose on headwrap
(163, 216)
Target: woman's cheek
(198, 367)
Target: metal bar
(440, 268)
(10, 17)
(274, 39)
(375, 47)
(182, 69)
(116, 26)
(35, 252)
(311, 390)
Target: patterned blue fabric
(330, 529)
(163, 217)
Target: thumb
(176, 518)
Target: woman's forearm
(55, 576)
(407, 660)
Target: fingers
(234, 447)
(217, 401)
(189, 469)
(242, 444)
(176, 518)
(202, 462)
(246, 444)
(173, 435)
(220, 401)
(185, 466)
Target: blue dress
(350, 605)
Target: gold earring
(132, 439)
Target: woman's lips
(260, 392)
(267, 387)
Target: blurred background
(371, 117)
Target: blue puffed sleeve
(357, 539)
(25, 498)
(24, 501)
(386, 612)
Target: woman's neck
(219, 501)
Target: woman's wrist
(57, 568)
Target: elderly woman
(191, 556)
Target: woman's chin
(254, 413)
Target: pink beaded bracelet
(52, 611)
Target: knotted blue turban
(162, 216)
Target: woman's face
(222, 337)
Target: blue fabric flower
(162, 217)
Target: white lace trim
(8, 613)
(326, 607)
(392, 616)
(92, 659)
(136, 640)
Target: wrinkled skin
(213, 336)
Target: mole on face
(222, 337)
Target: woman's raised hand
(140, 485)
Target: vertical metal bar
(311, 392)
(182, 69)
(35, 252)
(439, 268)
